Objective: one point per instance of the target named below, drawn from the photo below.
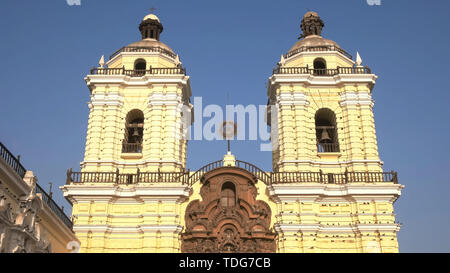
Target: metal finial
(50, 193)
(152, 9)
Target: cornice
(318, 228)
(308, 80)
(315, 192)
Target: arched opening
(326, 131)
(134, 132)
(320, 67)
(228, 195)
(140, 66)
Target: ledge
(334, 155)
(131, 155)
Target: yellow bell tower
(324, 100)
(135, 118)
(331, 191)
(132, 183)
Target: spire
(150, 27)
(311, 24)
(102, 61)
(177, 60)
(282, 60)
(358, 59)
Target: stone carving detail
(228, 219)
(20, 231)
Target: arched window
(326, 131)
(228, 195)
(320, 67)
(134, 132)
(139, 66)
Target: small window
(320, 67)
(228, 195)
(140, 66)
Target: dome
(313, 41)
(150, 43)
(152, 17)
(311, 37)
(311, 14)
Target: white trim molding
(318, 228)
(146, 80)
(109, 193)
(102, 99)
(308, 80)
(295, 98)
(356, 98)
(316, 192)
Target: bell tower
(128, 194)
(331, 192)
(136, 108)
(324, 107)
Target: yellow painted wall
(134, 214)
(336, 215)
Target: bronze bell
(324, 136)
(135, 133)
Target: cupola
(151, 27)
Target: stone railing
(122, 178)
(316, 49)
(266, 177)
(54, 207)
(143, 49)
(139, 73)
(321, 72)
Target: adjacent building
(30, 221)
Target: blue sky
(231, 47)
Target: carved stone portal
(228, 219)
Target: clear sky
(231, 47)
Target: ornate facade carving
(229, 218)
(20, 231)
